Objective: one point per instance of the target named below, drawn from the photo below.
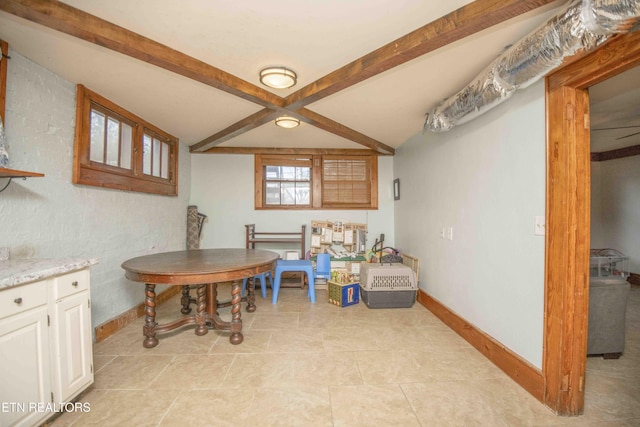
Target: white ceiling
(615, 112)
(313, 37)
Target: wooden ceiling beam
(305, 115)
(339, 129)
(463, 22)
(618, 153)
(69, 20)
(291, 151)
(248, 123)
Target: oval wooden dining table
(203, 268)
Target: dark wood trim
(567, 249)
(248, 123)
(567, 218)
(13, 173)
(99, 174)
(463, 22)
(619, 153)
(292, 151)
(618, 55)
(69, 20)
(4, 48)
(110, 327)
(304, 115)
(522, 372)
(339, 129)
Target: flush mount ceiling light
(287, 122)
(278, 77)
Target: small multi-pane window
(316, 182)
(116, 149)
(155, 156)
(287, 185)
(111, 138)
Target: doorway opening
(568, 218)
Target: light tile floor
(305, 364)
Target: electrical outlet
(450, 233)
(540, 226)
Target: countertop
(15, 272)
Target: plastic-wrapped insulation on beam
(581, 25)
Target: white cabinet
(24, 354)
(45, 347)
(71, 349)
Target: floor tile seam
(477, 396)
(233, 362)
(103, 366)
(417, 419)
(168, 410)
(413, 409)
(147, 388)
(81, 414)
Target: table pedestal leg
(236, 321)
(201, 313)
(212, 300)
(251, 295)
(150, 324)
(185, 300)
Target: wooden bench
(254, 237)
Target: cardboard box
(343, 294)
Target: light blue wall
(485, 180)
(50, 217)
(222, 187)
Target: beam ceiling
(461, 23)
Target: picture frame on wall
(396, 189)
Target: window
(287, 182)
(116, 149)
(316, 182)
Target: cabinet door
(71, 346)
(24, 367)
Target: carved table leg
(236, 321)
(251, 295)
(149, 328)
(212, 300)
(185, 300)
(201, 313)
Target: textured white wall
(486, 180)
(52, 218)
(616, 202)
(222, 188)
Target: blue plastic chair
(293, 265)
(263, 282)
(323, 266)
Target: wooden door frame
(568, 218)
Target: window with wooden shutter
(316, 182)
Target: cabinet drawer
(22, 298)
(71, 283)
